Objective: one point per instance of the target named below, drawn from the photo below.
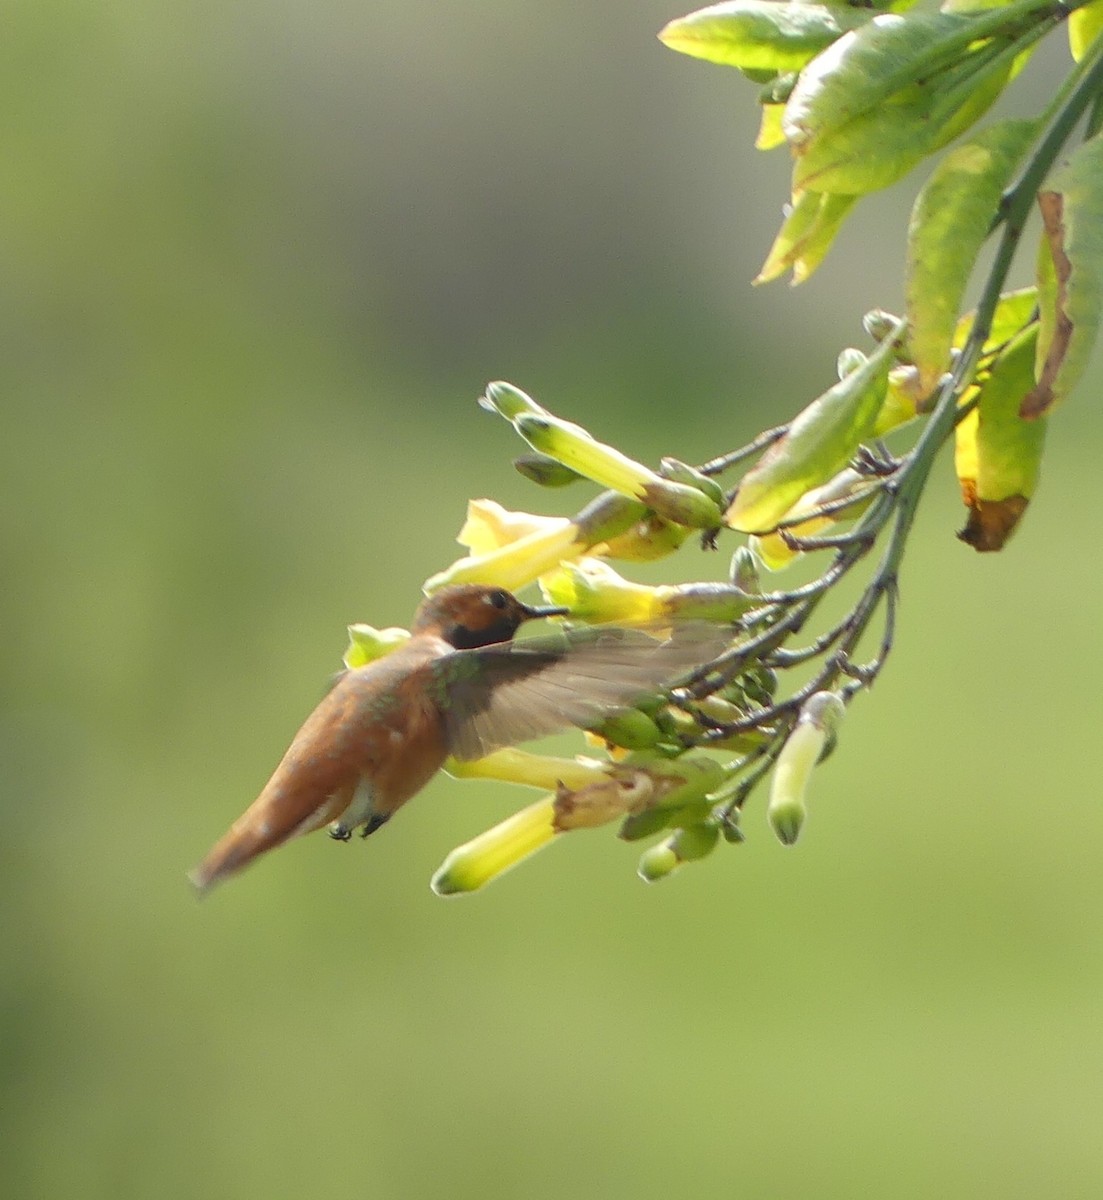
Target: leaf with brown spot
(997, 452)
(991, 522)
(1070, 276)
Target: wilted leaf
(998, 453)
(950, 221)
(1070, 280)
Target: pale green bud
(630, 729)
(544, 471)
(657, 862)
(510, 401)
(744, 571)
(849, 361)
(786, 810)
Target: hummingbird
(459, 686)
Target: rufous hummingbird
(459, 686)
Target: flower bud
(573, 446)
(743, 571)
(630, 729)
(487, 856)
(545, 471)
(880, 324)
(786, 810)
(507, 400)
(657, 862)
(688, 844)
(849, 361)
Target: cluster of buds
(678, 764)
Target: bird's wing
(501, 695)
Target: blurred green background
(257, 262)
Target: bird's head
(470, 615)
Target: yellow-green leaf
(770, 133)
(866, 68)
(806, 235)
(950, 221)
(760, 34)
(880, 146)
(820, 442)
(1014, 311)
(1070, 282)
(1085, 25)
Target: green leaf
(770, 134)
(881, 146)
(891, 54)
(1085, 25)
(820, 442)
(1070, 283)
(998, 453)
(1014, 312)
(760, 34)
(950, 221)
(806, 235)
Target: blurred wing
(501, 695)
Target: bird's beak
(548, 610)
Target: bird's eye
(498, 598)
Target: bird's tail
(258, 830)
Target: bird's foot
(372, 824)
(340, 833)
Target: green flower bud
(744, 571)
(880, 324)
(849, 361)
(630, 729)
(545, 471)
(786, 814)
(573, 446)
(786, 810)
(657, 862)
(679, 472)
(508, 400)
(644, 824)
(731, 829)
(687, 844)
(693, 842)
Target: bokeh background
(256, 262)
